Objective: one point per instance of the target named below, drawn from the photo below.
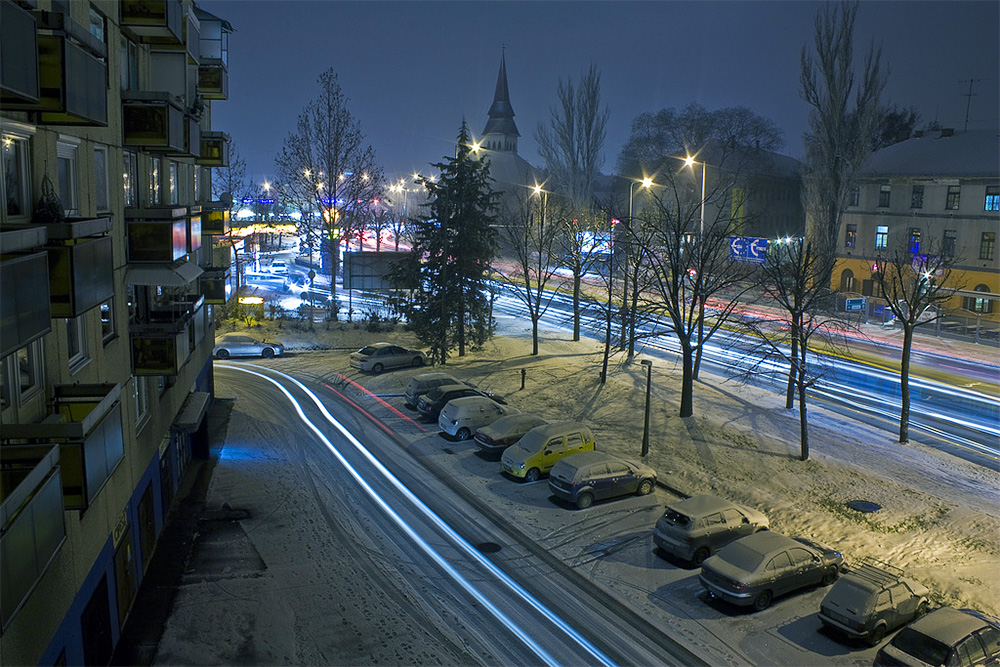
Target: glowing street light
(689, 161)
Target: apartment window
(986, 243)
(66, 172)
(141, 402)
(979, 305)
(917, 197)
(196, 183)
(108, 332)
(129, 65)
(174, 184)
(914, 243)
(130, 178)
(884, 194)
(854, 197)
(954, 195)
(101, 197)
(948, 242)
(21, 374)
(881, 236)
(154, 181)
(847, 281)
(96, 24)
(16, 186)
(76, 342)
(992, 198)
(851, 236)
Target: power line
(968, 102)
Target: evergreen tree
(453, 246)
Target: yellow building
(108, 232)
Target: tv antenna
(968, 102)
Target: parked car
(382, 356)
(588, 476)
(239, 345)
(755, 569)
(430, 404)
(461, 417)
(697, 527)
(504, 432)
(278, 266)
(871, 600)
(317, 296)
(542, 447)
(946, 636)
(423, 383)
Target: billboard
(370, 270)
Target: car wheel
(417, 362)
(585, 500)
(829, 576)
(222, 354)
(700, 555)
(267, 353)
(922, 609)
(532, 475)
(762, 601)
(463, 433)
(876, 635)
(645, 487)
(377, 368)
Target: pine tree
(453, 246)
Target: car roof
(469, 400)
(767, 541)
(560, 427)
(426, 377)
(948, 624)
(581, 459)
(697, 506)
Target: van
(541, 447)
(461, 417)
(423, 383)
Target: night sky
(413, 70)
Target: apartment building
(937, 192)
(111, 261)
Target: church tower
(500, 135)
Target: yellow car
(541, 447)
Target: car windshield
(850, 593)
(920, 646)
(368, 349)
(676, 518)
(741, 556)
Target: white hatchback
(461, 417)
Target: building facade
(111, 261)
(939, 193)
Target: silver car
(383, 356)
(946, 636)
(239, 345)
(695, 528)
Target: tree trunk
(687, 379)
(576, 305)
(534, 334)
(792, 367)
(904, 383)
(701, 337)
(803, 424)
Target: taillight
(738, 586)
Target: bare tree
(913, 285)
(572, 146)
(230, 184)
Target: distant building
(937, 192)
(112, 261)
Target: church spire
(501, 132)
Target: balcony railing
(214, 149)
(155, 21)
(217, 286)
(18, 55)
(215, 218)
(81, 266)
(152, 120)
(213, 80)
(157, 234)
(162, 348)
(24, 300)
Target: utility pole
(968, 102)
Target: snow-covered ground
(940, 516)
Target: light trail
(433, 554)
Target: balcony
(213, 70)
(215, 218)
(31, 520)
(193, 230)
(81, 267)
(153, 121)
(192, 138)
(155, 21)
(214, 149)
(217, 286)
(163, 345)
(156, 234)
(213, 80)
(86, 423)
(18, 55)
(24, 300)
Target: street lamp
(646, 183)
(544, 196)
(690, 162)
(645, 422)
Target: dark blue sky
(412, 70)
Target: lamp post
(645, 422)
(646, 182)
(690, 162)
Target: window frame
(850, 235)
(913, 243)
(854, 196)
(141, 395)
(991, 201)
(884, 196)
(949, 241)
(77, 350)
(101, 180)
(13, 389)
(154, 192)
(130, 178)
(881, 236)
(917, 196)
(129, 62)
(954, 198)
(16, 149)
(109, 332)
(987, 245)
(68, 173)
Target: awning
(189, 418)
(167, 275)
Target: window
(66, 172)
(21, 374)
(173, 183)
(76, 343)
(979, 305)
(154, 181)
(948, 242)
(129, 178)
(196, 183)
(129, 65)
(954, 195)
(992, 198)
(884, 194)
(986, 244)
(97, 24)
(141, 402)
(851, 237)
(108, 332)
(16, 185)
(970, 652)
(917, 197)
(847, 281)
(101, 198)
(854, 196)
(914, 243)
(881, 236)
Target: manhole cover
(488, 547)
(864, 506)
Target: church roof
(501, 115)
